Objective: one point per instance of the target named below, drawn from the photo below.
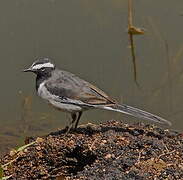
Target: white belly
(51, 99)
(65, 107)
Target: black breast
(40, 78)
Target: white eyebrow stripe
(39, 66)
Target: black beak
(27, 70)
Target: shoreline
(110, 149)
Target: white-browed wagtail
(67, 92)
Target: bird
(69, 93)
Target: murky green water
(89, 38)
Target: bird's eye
(42, 69)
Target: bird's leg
(73, 115)
(78, 118)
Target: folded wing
(68, 86)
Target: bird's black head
(42, 66)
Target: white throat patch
(45, 65)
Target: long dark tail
(136, 113)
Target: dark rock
(109, 151)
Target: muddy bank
(111, 150)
